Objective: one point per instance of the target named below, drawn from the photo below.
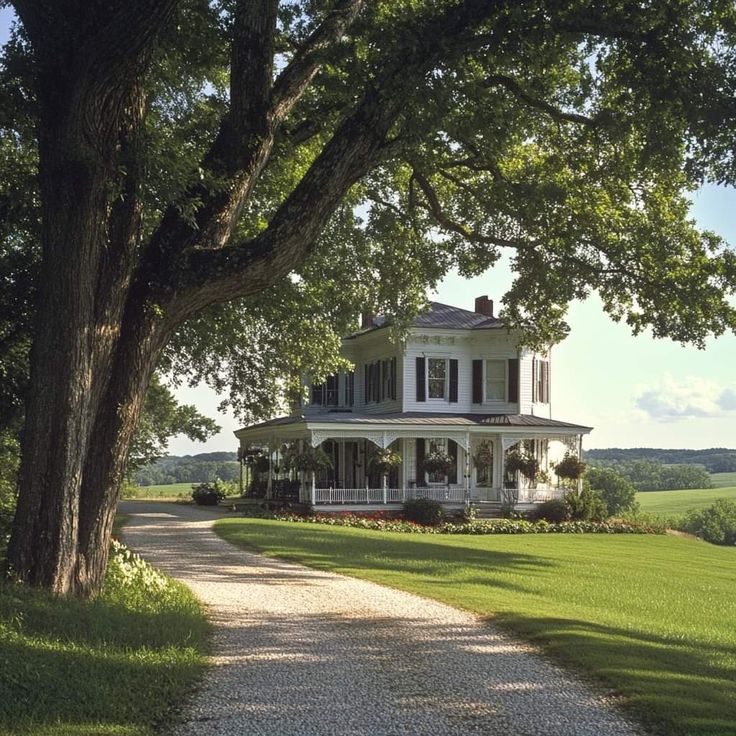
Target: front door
(483, 471)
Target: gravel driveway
(299, 651)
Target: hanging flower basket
(437, 463)
(308, 460)
(257, 462)
(522, 463)
(483, 455)
(384, 461)
(570, 467)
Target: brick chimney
(484, 305)
(366, 320)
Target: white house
(460, 385)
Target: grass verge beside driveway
(120, 664)
(651, 617)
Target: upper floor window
(437, 378)
(495, 380)
(327, 393)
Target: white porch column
(466, 471)
(313, 490)
(384, 482)
(580, 457)
(269, 481)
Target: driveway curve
(302, 652)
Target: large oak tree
(297, 158)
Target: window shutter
(534, 380)
(513, 380)
(393, 378)
(477, 381)
(421, 380)
(452, 452)
(365, 383)
(377, 380)
(453, 381)
(545, 382)
(317, 394)
(420, 460)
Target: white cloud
(670, 399)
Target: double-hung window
(495, 380)
(437, 378)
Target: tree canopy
(215, 188)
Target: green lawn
(121, 664)
(652, 617)
(676, 503)
(170, 490)
(723, 480)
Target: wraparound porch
(478, 447)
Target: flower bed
(382, 522)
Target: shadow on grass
(673, 685)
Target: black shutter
(545, 382)
(377, 380)
(365, 383)
(317, 394)
(453, 381)
(477, 381)
(421, 380)
(393, 378)
(452, 452)
(420, 460)
(513, 368)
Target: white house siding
(481, 345)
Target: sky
(635, 391)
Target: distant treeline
(714, 460)
(201, 468)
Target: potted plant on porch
(570, 469)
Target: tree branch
(451, 225)
(207, 275)
(520, 93)
(292, 82)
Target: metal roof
(517, 421)
(440, 316)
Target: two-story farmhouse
(460, 388)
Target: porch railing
(393, 495)
(436, 493)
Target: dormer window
(437, 378)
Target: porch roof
(406, 420)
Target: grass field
(651, 617)
(677, 503)
(121, 664)
(723, 480)
(171, 490)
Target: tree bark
(105, 313)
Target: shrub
(586, 506)
(618, 494)
(715, 524)
(424, 511)
(206, 494)
(554, 510)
